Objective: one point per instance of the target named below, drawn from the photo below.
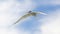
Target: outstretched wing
(41, 13)
(27, 15)
(23, 17)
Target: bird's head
(29, 11)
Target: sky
(12, 10)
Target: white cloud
(49, 2)
(55, 2)
(7, 31)
(10, 10)
(51, 24)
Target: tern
(30, 13)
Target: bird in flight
(30, 13)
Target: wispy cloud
(51, 23)
(10, 10)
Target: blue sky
(12, 10)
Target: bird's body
(30, 13)
(25, 16)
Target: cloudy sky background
(12, 10)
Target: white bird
(30, 13)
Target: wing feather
(41, 13)
(24, 16)
(27, 15)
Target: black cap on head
(29, 11)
